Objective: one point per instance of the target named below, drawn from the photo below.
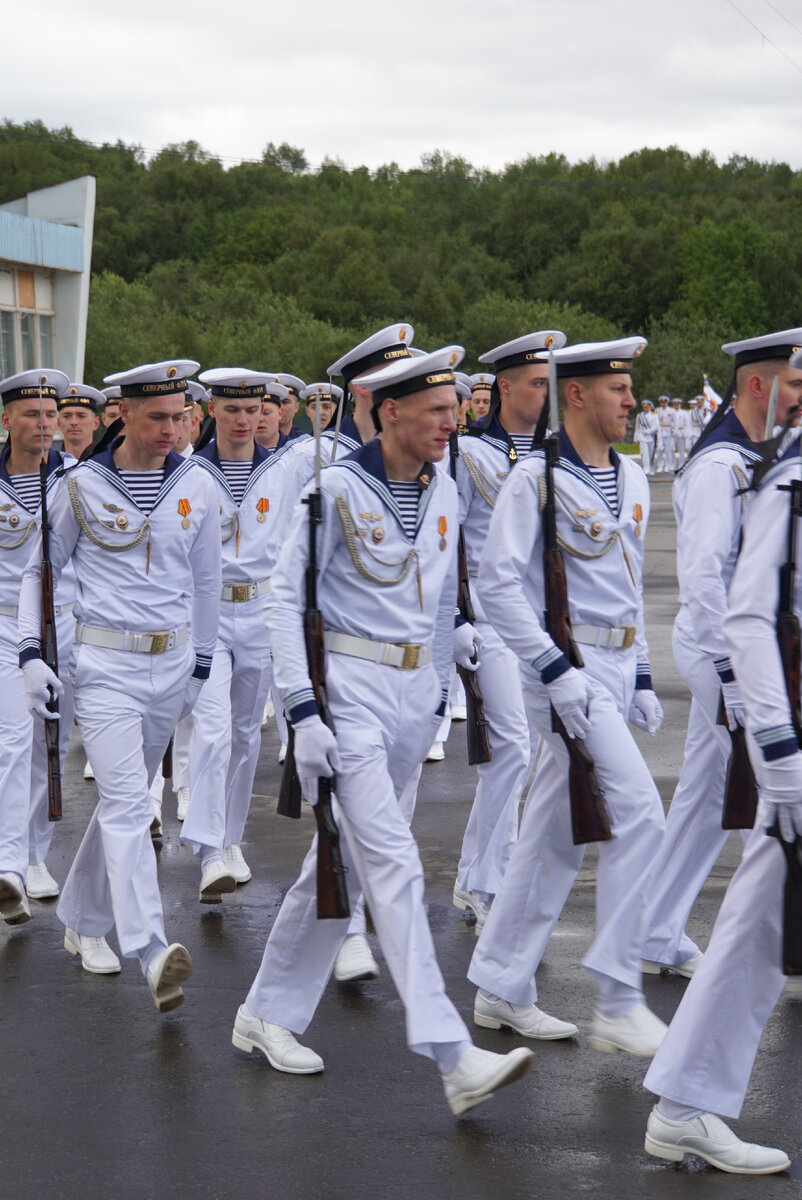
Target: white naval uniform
(225, 742)
(25, 832)
(383, 717)
(682, 433)
(707, 1055)
(127, 702)
(709, 513)
(697, 419)
(485, 461)
(646, 429)
(666, 445)
(603, 592)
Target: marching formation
(168, 578)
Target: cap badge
(402, 333)
(184, 509)
(261, 508)
(453, 359)
(172, 372)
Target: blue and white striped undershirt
(29, 489)
(144, 486)
(522, 443)
(237, 475)
(407, 497)
(605, 478)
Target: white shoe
(166, 974)
(490, 1012)
(39, 883)
(95, 953)
(14, 908)
(480, 1073)
(215, 880)
(436, 752)
(355, 960)
(278, 1045)
(686, 968)
(156, 830)
(459, 712)
(182, 799)
(88, 772)
(234, 859)
(282, 752)
(473, 903)
(709, 1138)
(637, 1032)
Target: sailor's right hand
(570, 696)
(733, 704)
(316, 755)
(781, 785)
(39, 679)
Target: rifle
(477, 723)
(740, 789)
(49, 645)
(589, 820)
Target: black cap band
(47, 392)
(131, 391)
(520, 359)
(378, 358)
(766, 354)
(420, 383)
(594, 366)
(254, 391)
(77, 402)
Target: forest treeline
(280, 265)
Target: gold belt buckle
(411, 655)
(158, 643)
(629, 636)
(240, 592)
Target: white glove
(646, 711)
(570, 696)
(316, 755)
(733, 704)
(38, 679)
(781, 785)
(194, 686)
(467, 644)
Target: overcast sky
(370, 82)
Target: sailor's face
(77, 424)
(269, 422)
(480, 404)
(237, 418)
(425, 421)
(609, 399)
(26, 424)
(789, 395)
(528, 389)
(154, 425)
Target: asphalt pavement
(107, 1100)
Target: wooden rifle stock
(792, 903)
(790, 644)
(289, 796)
(740, 789)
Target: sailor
(481, 387)
(386, 577)
(666, 443)
(111, 409)
(702, 1070)
(682, 431)
(646, 425)
(462, 383)
(30, 417)
(602, 506)
(77, 417)
(486, 458)
(289, 408)
(698, 419)
(141, 526)
(322, 399)
(269, 434)
(224, 748)
(709, 504)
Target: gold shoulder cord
(233, 525)
(574, 551)
(356, 547)
(485, 487)
(26, 533)
(743, 484)
(76, 499)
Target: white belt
(244, 591)
(619, 637)
(11, 610)
(406, 656)
(124, 639)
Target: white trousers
(15, 755)
(493, 823)
(694, 837)
(126, 705)
(545, 861)
(384, 722)
(706, 1058)
(666, 453)
(181, 741)
(646, 454)
(225, 742)
(40, 830)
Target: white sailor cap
(154, 379)
(30, 385)
(760, 349)
(236, 383)
(482, 382)
(81, 395)
(196, 393)
(111, 394)
(596, 358)
(463, 385)
(796, 358)
(276, 392)
(676, 400)
(291, 382)
(406, 376)
(643, 403)
(523, 350)
(322, 391)
(380, 348)
(662, 398)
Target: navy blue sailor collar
(106, 459)
(260, 454)
(55, 461)
(567, 451)
(491, 429)
(370, 458)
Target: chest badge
(442, 529)
(121, 521)
(13, 520)
(595, 529)
(377, 534)
(638, 517)
(262, 508)
(184, 509)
